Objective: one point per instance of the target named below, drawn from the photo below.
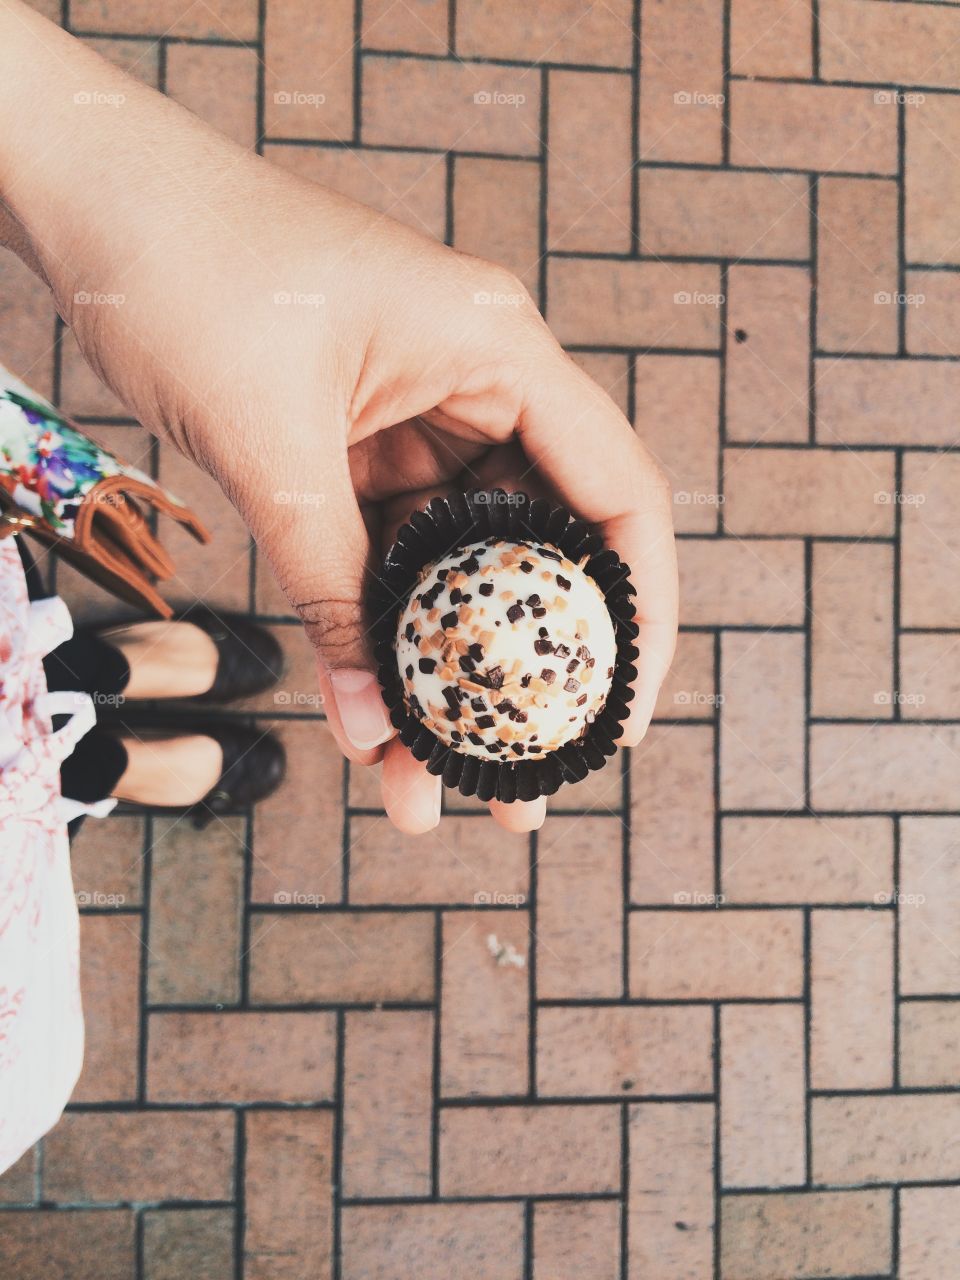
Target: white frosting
(510, 673)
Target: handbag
(63, 488)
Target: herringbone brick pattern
(706, 1024)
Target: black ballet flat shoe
(249, 658)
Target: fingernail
(362, 712)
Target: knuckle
(331, 624)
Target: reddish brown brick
(771, 38)
(762, 1117)
(672, 815)
(486, 225)
(804, 860)
(241, 1057)
(817, 127)
(590, 177)
(546, 1149)
(219, 84)
(560, 32)
(196, 909)
(193, 1242)
(857, 265)
(852, 660)
(670, 1228)
(930, 1043)
(933, 313)
(886, 401)
(139, 58)
(289, 1164)
(156, 1155)
(768, 346)
(681, 81)
(110, 990)
(421, 27)
(579, 908)
(388, 1089)
(740, 583)
(610, 370)
(930, 676)
(762, 720)
(715, 954)
(929, 887)
(18, 1183)
(723, 214)
(806, 1234)
(107, 857)
(689, 690)
(433, 1241)
(851, 1024)
(232, 20)
(572, 1239)
(97, 1245)
(486, 1005)
(932, 179)
(886, 1138)
(930, 541)
(457, 106)
(613, 303)
(308, 55)
(333, 956)
(608, 1050)
(885, 766)
(929, 1232)
(677, 411)
(895, 44)
(26, 325)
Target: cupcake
(504, 637)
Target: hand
(294, 343)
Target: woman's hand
(329, 367)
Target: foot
(169, 772)
(166, 659)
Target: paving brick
(27, 320)
(241, 1057)
(156, 1155)
(486, 1005)
(716, 213)
(486, 225)
(672, 815)
(590, 177)
(930, 541)
(813, 492)
(298, 844)
(886, 401)
(571, 1240)
(418, 27)
(18, 1183)
(762, 720)
(610, 371)
(97, 1245)
(110, 991)
(452, 864)
(338, 957)
(289, 1162)
(933, 316)
(771, 38)
(139, 58)
(433, 1241)
(388, 1088)
(689, 690)
(886, 1138)
(560, 32)
(895, 44)
(308, 56)
(106, 857)
(762, 1099)
(768, 358)
(821, 128)
(851, 1024)
(192, 1242)
(930, 676)
(677, 410)
(407, 185)
(219, 84)
(232, 20)
(819, 1233)
(930, 1043)
(885, 767)
(929, 888)
(457, 106)
(715, 954)
(929, 1232)
(196, 911)
(614, 303)
(727, 583)
(606, 1050)
(806, 860)
(547, 1149)
(297, 689)
(932, 180)
(670, 1227)
(681, 81)
(857, 270)
(579, 908)
(852, 630)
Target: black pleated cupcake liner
(456, 522)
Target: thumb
(320, 553)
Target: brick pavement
(732, 1051)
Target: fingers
(521, 816)
(574, 434)
(411, 796)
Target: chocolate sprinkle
(486, 588)
(515, 612)
(448, 621)
(572, 685)
(427, 666)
